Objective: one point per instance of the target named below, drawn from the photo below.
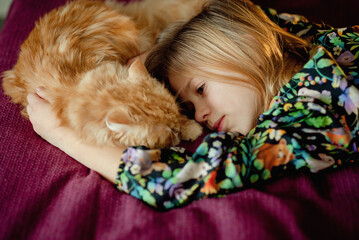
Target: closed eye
(201, 89)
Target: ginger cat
(79, 54)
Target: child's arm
(104, 160)
(296, 24)
(306, 128)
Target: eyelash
(200, 89)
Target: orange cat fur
(78, 53)
(163, 13)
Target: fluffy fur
(78, 53)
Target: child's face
(219, 106)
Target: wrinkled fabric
(311, 125)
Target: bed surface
(45, 194)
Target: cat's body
(79, 52)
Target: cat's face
(133, 109)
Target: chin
(240, 130)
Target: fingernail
(39, 89)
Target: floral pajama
(312, 124)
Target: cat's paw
(191, 130)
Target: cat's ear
(118, 120)
(137, 69)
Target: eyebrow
(188, 86)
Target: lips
(218, 125)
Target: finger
(41, 91)
(33, 99)
(29, 109)
(143, 56)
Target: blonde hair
(230, 39)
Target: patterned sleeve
(295, 24)
(311, 125)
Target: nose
(201, 113)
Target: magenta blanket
(45, 194)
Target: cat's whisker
(177, 97)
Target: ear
(137, 69)
(118, 120)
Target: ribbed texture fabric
(45, 194)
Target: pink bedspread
(45, 194)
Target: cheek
(217, 98)
(245, 99)
(239, 105)
(215, 103)
(225, 101)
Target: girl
(277, 103)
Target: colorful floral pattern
(312, 124)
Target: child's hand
(102, 159)
(45, 122)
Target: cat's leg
(190, 129)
